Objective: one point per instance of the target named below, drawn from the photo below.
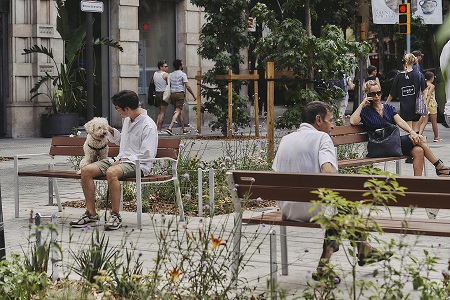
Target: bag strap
(382, 119)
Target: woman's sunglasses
(371, 94)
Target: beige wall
(34, 22)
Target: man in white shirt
(138, 140)
(178, 84)
(311, 150)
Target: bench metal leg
(284, 252)
(273, 264)
(138, 195)
(236, 247)
(176, 184)
(121, 197)
(16, 186)
(398, 167)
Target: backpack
(151, 94)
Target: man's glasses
(165, 66)
(372, 94)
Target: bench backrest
(73, 146)
(343, 135)
(425, 192)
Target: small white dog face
(97, 128)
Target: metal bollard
(53, 239)
(2, 230)
(200, 191)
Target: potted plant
(65, 89)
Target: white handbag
(166, 95)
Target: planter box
(58, 124)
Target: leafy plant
(66, 89)
(326, 57)
(222, 37)
(89, 262)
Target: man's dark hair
(126, 98)
(177, 64)
(428, 75)
(312, 109)
(417, 53)
(161, 63)
(371, 69)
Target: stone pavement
(304, 244)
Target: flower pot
(58, 124)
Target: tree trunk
(310, 85)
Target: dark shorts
(177, 99)
(407, 144)
(159, 99)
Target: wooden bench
(421, 192)
(73, 146)
(346, 135)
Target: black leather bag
(384, 142)
(151, 94)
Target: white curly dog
(96, 145)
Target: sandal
(169, 131)
(444, 171)
(185, 131)
(373, 256)
(328, 275)
(438, 140)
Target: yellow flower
(108, 294)
(215, 242)
(136, 276)
(174, 274)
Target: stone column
(124, 29)
(33, 22)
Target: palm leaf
(75, 44)
(62, 20)
(38, 49)
(108, 42)
(39, 83)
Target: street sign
(91, 6)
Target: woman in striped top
(369, 112)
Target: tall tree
(221, 38)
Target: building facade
(147, 30)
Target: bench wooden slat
(342, 130)
(391, 225)
(421, 191)
(349, 139)
(74, 175)
(356, 162)
(73, 146)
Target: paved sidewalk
(303, 262)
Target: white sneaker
(114, 222)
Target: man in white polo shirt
(311, 150)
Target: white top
(138, 140)
(160, 83)
(177, 80)
(303, 151)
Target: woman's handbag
(384, 142)
(151, 95)
(421, 107)
(166, 95)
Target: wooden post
(199, 101)
(256, 103)
(270, 113)
(230, 105)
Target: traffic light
(404, 18)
